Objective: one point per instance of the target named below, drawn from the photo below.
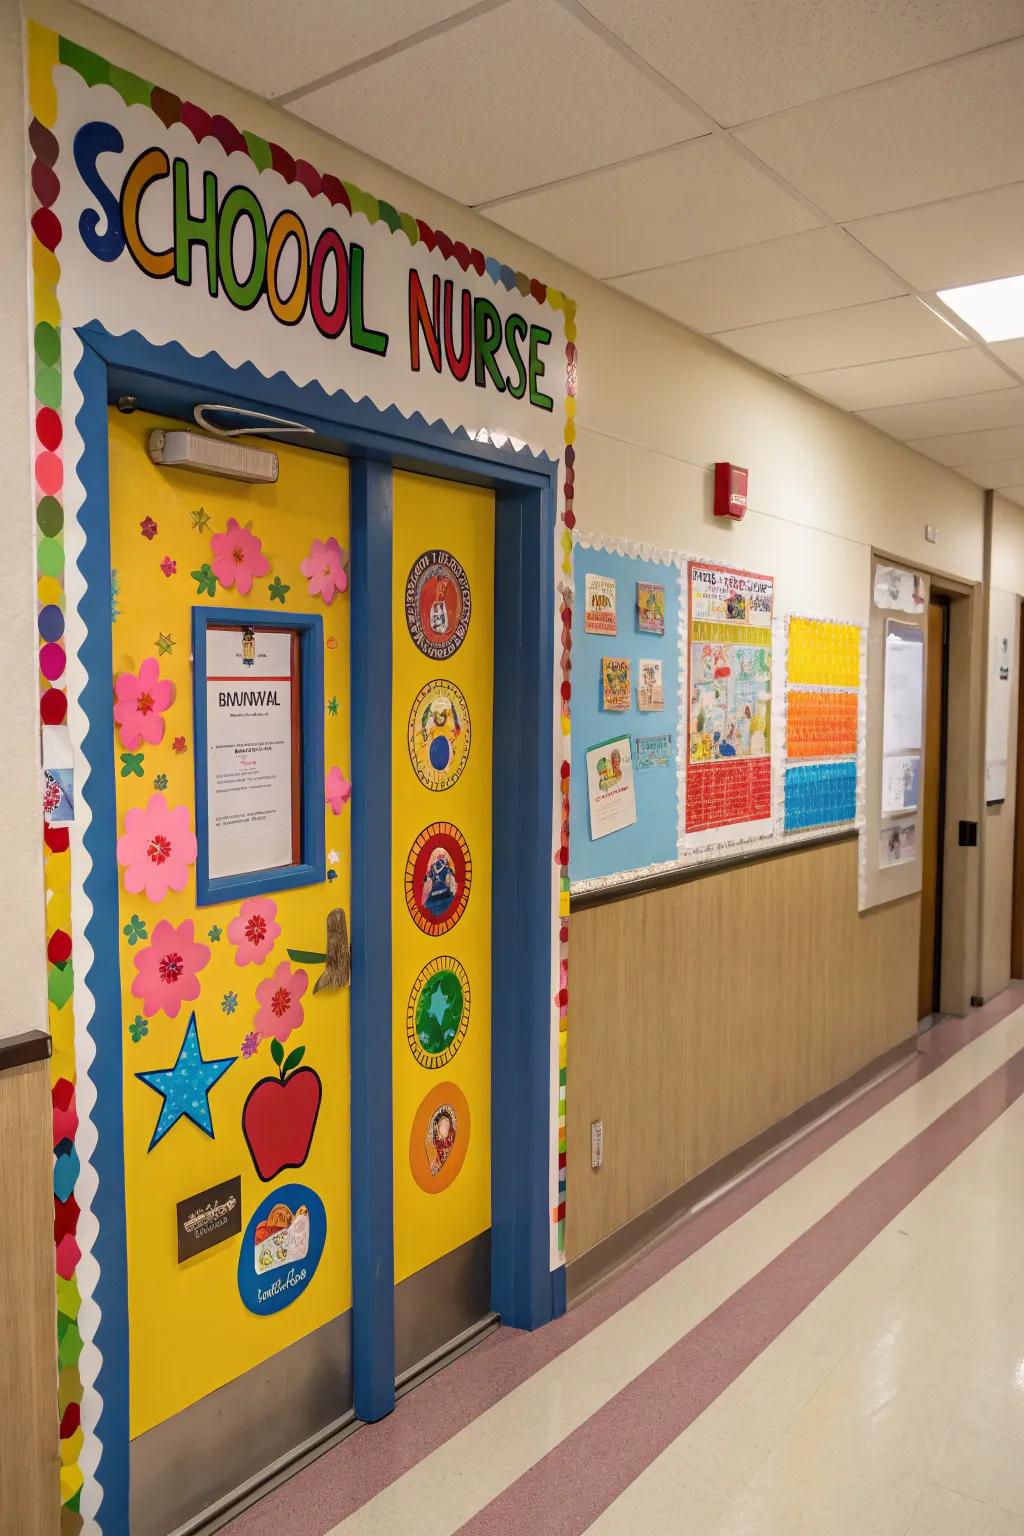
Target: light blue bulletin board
(652, 838)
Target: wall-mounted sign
(252, 736)
(281, 1248)
(206, 1219)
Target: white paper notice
(610, 786)
(1002, 621)
(895, 588)
(897, 845)
(901, 784)
(249, 750)
(904, 683)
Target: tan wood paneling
(30, 1499)
(704, 1012)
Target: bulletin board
(616, 571)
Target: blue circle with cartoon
(281, 1248)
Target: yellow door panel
(443, 702)
(189, 1330)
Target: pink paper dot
(49, 473)
(52, 662)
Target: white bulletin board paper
(904, 689)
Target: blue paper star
(439, 1005)
(185, 1087)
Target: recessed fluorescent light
(995, 310)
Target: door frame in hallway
(526, 1292)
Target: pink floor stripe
(361, 1467)
(565, 1492)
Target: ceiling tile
(844, 338)
(685, 202)
(973, 447)
(1014, 493)
(944, 245)
(741, 60)
(963, 413)
(996, 474)
(797, 275)
(908, 378)
(940, 132)
(259, 45)
(1012, 352)
(517, 96)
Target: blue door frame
(526, 1292)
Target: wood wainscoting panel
(702, 1013)
(30, 1498)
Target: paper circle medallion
(438, 876)
(437, 604)
(281, 1248)
(440, 1138)
(437, 1017)
(439, 734)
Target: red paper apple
(279, 1116)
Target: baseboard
(591, 1269)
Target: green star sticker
(132, 763)
(332, 706)
(277, 590)
(164, 645)
(200, 519)
(205, 580)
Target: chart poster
(904, 689)
(729, 772)
(252, 746)
(599, 604)
(610, 786)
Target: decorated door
(443, 702)
(230, 626)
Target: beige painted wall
(1005, 575)
(24, 1005)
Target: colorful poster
(821, 723)
(599, 604)
(897, 845)
(610, 786)
(653, 752)
(728, 777)
(899, 589)
(650, 608)
(824, 652)
(904, 689)
(615, 684)
(901, 784)
(820, 795)
(650, 692)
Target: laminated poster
(904, 689)
(650, 608)
(729, 772)
(901, 784)
(650, 692)
(653, 752)
(599, 604)
(615, 683)
(895, 588)
(897, 845)
(610, 786)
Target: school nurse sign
(185, 241)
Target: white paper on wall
(899, 589)
(903, 689)
(1002, 623)
(610, 786)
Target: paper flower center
(144, 703)
(171, 968)
(159, 849)
(256, 929)
(280, 1002)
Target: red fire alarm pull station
(730, 491)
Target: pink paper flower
(280, 1003)
(238, 557)
(139, 702)
(254, 931)
(338, 790)
(168, 566)
(168, 969)
(157, 848)
(324, 569)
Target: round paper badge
(437, 604)
(438, 876)
(439, 734)
(281, 1248)
(437, 1017)
(440, 1138)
